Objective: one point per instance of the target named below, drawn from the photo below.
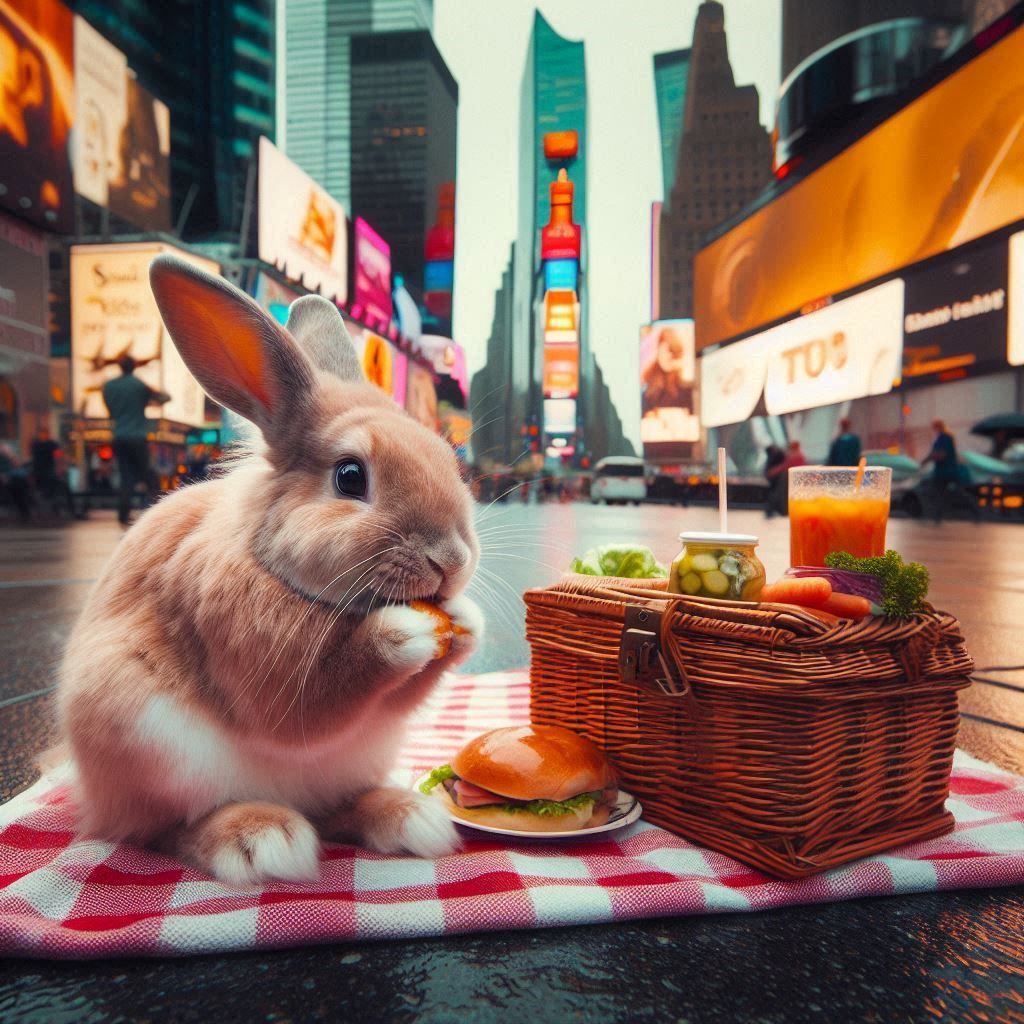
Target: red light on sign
(561, 145)
(105, 452)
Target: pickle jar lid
(720, 539)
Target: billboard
(561, 316)
(23, 296)
(37, 100)
(849, 349)
(273, 296)
(561, 371)
(559, 416)
(1015, 328)
(383, 364)
(372, 275)
(421, 396)
(955, 319)
(668, 400)
(122, 136)
(113, 313)
(302, 230)
(946, 169)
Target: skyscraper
(404, 105)
(553, 102)
(213, 63)
(724, 158)
(670, 75)
(318, 72)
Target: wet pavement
(952, 956)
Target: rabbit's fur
(239, 679)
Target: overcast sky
(484, 44)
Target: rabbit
(237, 684)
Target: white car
(619, 478)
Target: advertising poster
(122, 135)
(302, 229)
(850, 349)
(559, 416)
(373, 274)
(113, 313)
(667, 392)
(23, 295)
(448, 359)
(421, 397)
(561, 371)
(955, 316)
(946, 169)
(37, 100)
(274, 297)
(561, 317)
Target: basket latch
(640, 652)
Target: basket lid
(717, 538)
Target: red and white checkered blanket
(67, 897)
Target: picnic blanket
(66, 897)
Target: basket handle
(642, 659)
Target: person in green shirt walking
(126, 398)
(845, 450)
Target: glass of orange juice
(830, 510)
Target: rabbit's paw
(467, 624)
(248, 843)
(395, 820)
(409, 636)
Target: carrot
(808, 591)
(848, 606)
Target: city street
(880, 959)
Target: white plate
(627, 809)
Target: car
(619, 479)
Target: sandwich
(539, 778)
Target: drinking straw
(723, 512)
(860, 472)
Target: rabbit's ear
(240, 355)
(316, 324)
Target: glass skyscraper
(670, 74)
(553, 99)
(317, 43)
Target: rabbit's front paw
(244, 844)
(467, 624)
(409, 637)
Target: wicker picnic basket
(756, 730)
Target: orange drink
(829, 512)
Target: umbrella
(1011, 422)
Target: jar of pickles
(717, 565)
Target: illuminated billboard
(849, 349)
(273, 296)
(1015, 327)
(37, 100)
(955, 316)
(372, 275)
(946, 169)
(561, 317)
(668, 400)
(561, 371)
(302, 229)
(122, 135)
(113, 313)
(383, 364)
(421, 396)
(559, 416)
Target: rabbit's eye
(350, 479)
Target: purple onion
(843, 581)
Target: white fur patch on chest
(207, 765)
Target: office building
(315, 124)
(724, 159)
(670, 75)
(404, 106)
(213, 63)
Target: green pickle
(717, 565)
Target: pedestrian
(774, 457)
(14, 485)
(946, 483)
(49, 481)
(126, 398)
(845, 450)
(794, 456)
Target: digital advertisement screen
(561, 371)
(946, 169)
(274, 297)
(955, 315)
(847, 350)
(113, 313)
(302, 229)
(122, 135)
(559, 416)
(668, 395)
(421, 396)
(37, 111)
(373, 274)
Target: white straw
(723, 510)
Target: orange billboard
(947, 168)
(561, 371)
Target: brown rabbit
(240, 677)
